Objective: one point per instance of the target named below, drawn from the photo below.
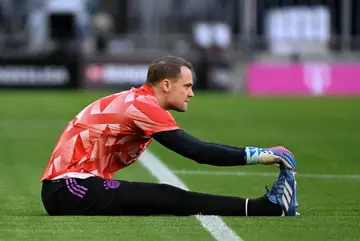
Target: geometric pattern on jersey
(109, 134)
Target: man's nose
(191, 93)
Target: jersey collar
(147, 89)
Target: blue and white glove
(270, 156)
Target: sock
(262, 207)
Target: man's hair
(168, 67)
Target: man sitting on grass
(112, 133)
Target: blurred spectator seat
(298, 30)
(208, 35)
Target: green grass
(323, 133)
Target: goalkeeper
(112, 132)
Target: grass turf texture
(323, 133)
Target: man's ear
(165, 85)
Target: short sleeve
(150, 118)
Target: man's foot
(283, 192)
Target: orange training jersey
(109, 134)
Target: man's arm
(200, 151)
(159, 124)
(222, 155)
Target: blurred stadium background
(230, 43)
(267, 72)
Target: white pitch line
(265, 174)
(213, 224)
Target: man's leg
(136, 198)
(116, 197)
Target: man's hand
(270, 156)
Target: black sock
(263, 207)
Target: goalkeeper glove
(269, 156)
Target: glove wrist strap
(253, 154)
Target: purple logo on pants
(111, 184)
(75, 188)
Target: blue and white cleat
(289, 160)
(283, 192)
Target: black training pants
(97, 196)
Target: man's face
(180, 91)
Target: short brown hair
(168, 67)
